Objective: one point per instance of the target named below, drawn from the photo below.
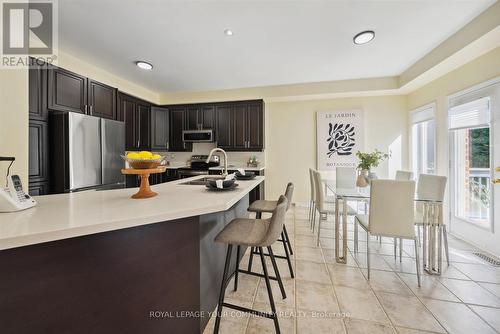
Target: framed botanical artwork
(339, 137)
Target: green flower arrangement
(369, 160)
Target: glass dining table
(431, 224)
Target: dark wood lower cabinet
(38, 166)
(135, 280)
(38, 188)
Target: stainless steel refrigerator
(85, 152)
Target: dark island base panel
(146, 279)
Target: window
(469, 124)
(423, 141)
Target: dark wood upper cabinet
(101, 100)
(37, 105)
(143, 125)
(159, 129)
(206, 117)
(178, 123)
(192, 118)
(240, 126)
(136, 115)
(255, 130)
(248, 126)
(200, 117)
(126, 113)
(223, 126)
(67, 91)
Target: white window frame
(468, 95)
(419, 115)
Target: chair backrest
(276, 223)
(320, 195)
(431, 187)
(345, 177)
(311, 179)
(403, 175)
(289, 194)
(392, 210)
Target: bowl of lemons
(143, 159)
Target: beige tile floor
(327, 297)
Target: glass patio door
(474, 124)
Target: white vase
(363, 178)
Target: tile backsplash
(235, 158)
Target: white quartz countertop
(234, 167)
(70, 215)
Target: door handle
(91, 108)
(86, 107)
(496, 181)
(497, 169)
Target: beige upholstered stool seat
(245, 232)
(262, 206)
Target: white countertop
(234, 167)
(70, 215)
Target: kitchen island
(100, 262)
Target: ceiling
(274, 42)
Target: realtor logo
(28, 30)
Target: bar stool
(261, 206)
(257, 233)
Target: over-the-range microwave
(198, 135)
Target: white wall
(14, 122)
(291, 138)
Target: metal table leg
(337, 238)
(432, 245)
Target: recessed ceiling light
(364, 37)
(228, 32)
(144, 65)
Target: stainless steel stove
(198, 166)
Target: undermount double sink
(203, 181)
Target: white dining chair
(403, 175)
(324, 207)
(395, 220)
(432, 187)
(345, 177)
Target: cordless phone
(13, 198)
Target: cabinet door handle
(86, 107)
(91, 108)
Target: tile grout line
(331, 283)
